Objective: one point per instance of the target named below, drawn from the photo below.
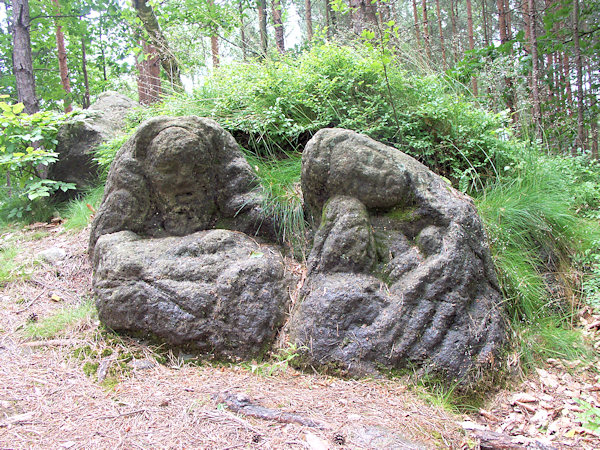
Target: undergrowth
(78, 212)
(61, 322)
(535, 227)
(274, 107)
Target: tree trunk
(308, 20)
(22, 60)
(566, 81)
(535, 94)
(243, 31)
(471, 40)
(159, 42)
(454, 39)
(442, 45)
(507, 19)
(278, 24)
(416, 18)
(102, 52)
(426, 37)
(86, 82)
(364, 15)
(484, 21)
(579, 74)
(62, 59)
(262, 26)
(149, 84)
(332, 18)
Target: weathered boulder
(217, 291)
(81, 136)
(161, 268)
(176, 176)
(400, 274)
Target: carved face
(178, 167)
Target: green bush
(276, 106)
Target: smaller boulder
(53, 255)
(81, 136)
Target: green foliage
(61, 321)
(107, 151)
(77, 212)
(590, 417)
(26, 145)
(532, 214)
(279, 363)
(275, 107)
(280, 186)
(9, 268)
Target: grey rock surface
(53, 255)
(400, 274)
(175, 176)
(81, 136)
(217, 291)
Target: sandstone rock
(53, 255)
(217, 291)
(81, 136)
(400, 273)
(176, 176)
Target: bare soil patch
(87, 388)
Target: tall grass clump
(282, 197)
(533, 220)
(78, 212)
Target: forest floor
(80, 386)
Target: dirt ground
(84, 387)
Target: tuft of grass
(10, 270)
(61, 322)
(534, 232)
(282, 197)
(77, 212)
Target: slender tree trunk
(102, 52)
(86, 82)
(214, 51)
(454, 39)
(484, 21)
(149, 83)
(426, 37)
(416, 18)
(579, 74)
(262, 26)
(22, 60)
(278, 24)
(471, 40)
(308, 20)
(594, 127)
(214, 39)
(332, 18)
(364, 15)
(62, 58)
(566, 81)
(501, 21)
(159, 41)
(442, 44)
(535, 94)
(243, 31)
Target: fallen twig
(241, 404)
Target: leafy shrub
(26, 146)
(276, 106)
